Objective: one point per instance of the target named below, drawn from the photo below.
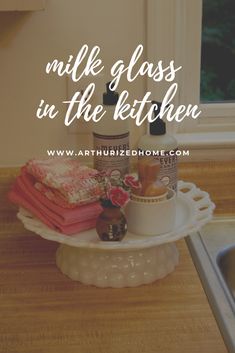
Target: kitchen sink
(213, 253)
(226, 263)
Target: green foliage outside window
(218, 51)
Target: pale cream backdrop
(28, 40)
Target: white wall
(29, 40)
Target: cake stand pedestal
(134, 261)
(117, 269)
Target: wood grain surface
(42, 311)
(217, 178)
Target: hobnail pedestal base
(117, 269)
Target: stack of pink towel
(62, 193)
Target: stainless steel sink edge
(227, 291)
(219, 298)
(214, 262)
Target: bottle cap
(110, 97)
(157, 127)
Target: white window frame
(174, 33)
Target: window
(218, 51)
(180, 30)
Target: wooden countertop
(42, 311)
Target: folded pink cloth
(18, 197)
(63, 216)
(64, 181)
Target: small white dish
(148, 218)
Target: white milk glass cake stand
(134, 261)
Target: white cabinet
(22, 5)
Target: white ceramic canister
(151, 216)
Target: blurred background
(199, 35)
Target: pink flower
(132, 182)
(118, 196)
